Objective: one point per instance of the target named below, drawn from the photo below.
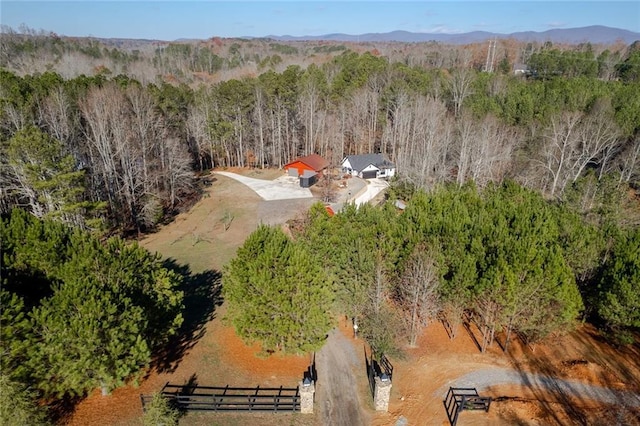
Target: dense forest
(521, 189)
(79, 313)
(504, 257)
(110, 151)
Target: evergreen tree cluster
(618, 296)
(19, 405)
(277, 293)
(519, 264)
(77, 313)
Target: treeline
(583, 61)
(78, 313)
(112, 150)
(26, 50)
(515, 263)
(92, 152)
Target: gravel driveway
(485, 378)
(338, 398)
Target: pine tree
(16, 337)
(159, 412)
(78, 313)
(89, 336)
(277, 293)
(49, 179)
(618, 303)
(524, 269)
(19, 405)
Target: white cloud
(556, 24)
(440, 29)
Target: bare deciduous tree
(139, 163)
(573, 141)
(483, 149)
(630, 161)
(58, 117)
(418, 291)
(599, 138)
(198, 133)
(99, 109)
(561, 138)
(490, 311)
(465, 147)
(177, 172)
(420, 133)
(459, 84)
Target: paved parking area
(282, 188)
(287, 187)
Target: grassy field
(198, 237)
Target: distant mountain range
(594, 34)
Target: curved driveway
(282, 188)
(481, 379)
(374, 187)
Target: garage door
(371, 174)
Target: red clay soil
(248, 362)
(422, 378)
(219, 358)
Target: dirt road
(488, 377)
(339, 392)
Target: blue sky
(170, 20)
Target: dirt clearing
(421, 381)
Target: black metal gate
(460, 399)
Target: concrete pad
(282, 188)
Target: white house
(368, 166)
(520, 69)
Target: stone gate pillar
(381, 393)
(307, 390)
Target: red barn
(306, 167)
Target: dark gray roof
(360, 162)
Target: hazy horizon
(172, 20)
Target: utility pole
(491, 55)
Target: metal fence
(227, 398)
(460, 399)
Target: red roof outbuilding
(312, 163)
